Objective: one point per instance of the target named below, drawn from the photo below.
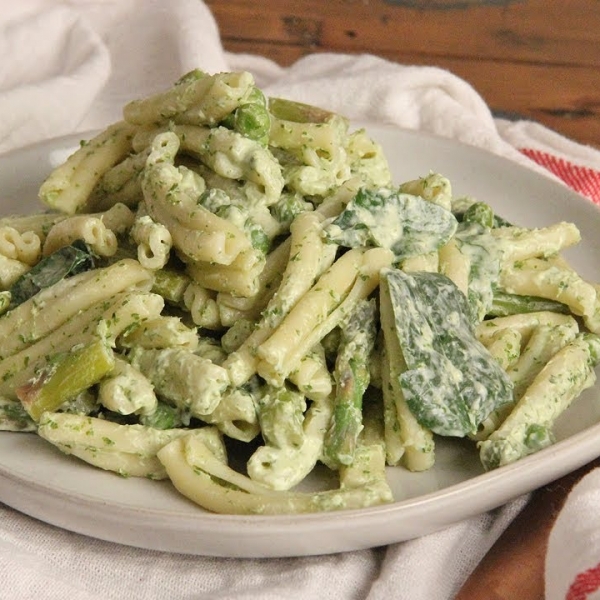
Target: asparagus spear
(505, 304)
(170, 284)
(65, 377)
(352, 376)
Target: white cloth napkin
(70, 67)
(574, 545)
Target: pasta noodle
(169, 195)
(24, 247)
(198, 98)
(68, 187)
(10, 270)
(25, 324)
(153, 242)
(91, 230)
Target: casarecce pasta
(220, 266)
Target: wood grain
(514, 567)
(536, 59)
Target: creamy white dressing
(403, 223)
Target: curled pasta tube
(394, 445)
(434, 188)
(537, 277)
(543, 344)
(235, 416)
(307, 138)
(10, 271)
(26, 324)
(505, 347)
(240, 277)
(407, 441)
(126, 391)
(234, 156)
(230, 155)
(160, 332)
(153, 242)
(528, 427)
(121, 184)
(105, 319)
(170, 195)
(455, 265)
(200, 476)
(202, 306)
(592, 321)
(38, 223)
(91, 230)
(197, 98)
(129, 450)
(312, 376)
(185, 379)
(232, 307)
(68, 187)
(308, 257)
(350, 279)
(319, 148)
(524, 324)
(283, 467)
(25, 247)
(367, 159)
(119, 218)
(519, 244)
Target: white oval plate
(38, 480)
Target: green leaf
(451, 383)
(387, 218)
(65, 262)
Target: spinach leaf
(451, 383)
(66, 261)
(387, 218)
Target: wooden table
(535, 59)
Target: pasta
(68, 187)
(220, 268)
(10, 270)
(25, 247)
(153, 241)
(91, 230)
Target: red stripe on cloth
(584, 180)
(584, 584)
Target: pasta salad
(221, 269)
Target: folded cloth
(69, 67)
(573, 557)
